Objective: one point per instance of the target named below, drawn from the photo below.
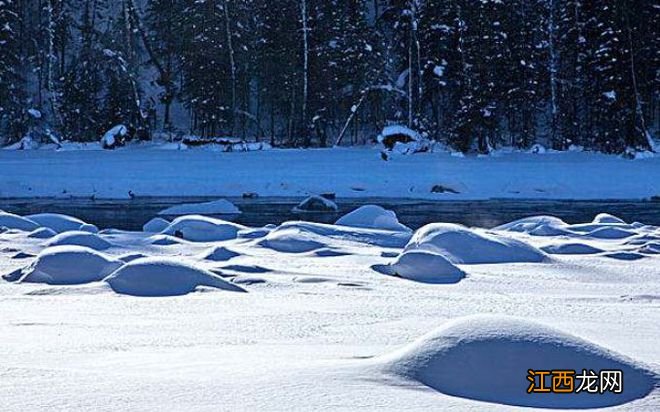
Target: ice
(424, 267)
(66, 265)
(79, 238)
(462, 245)
(487, 358)
(59, 223)
(217, 207)
(12, 221)
(155, 225)
(197, 228)
(153, 277)
(316, 204)
(373, 217)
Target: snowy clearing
(360, 172)
(334, 317)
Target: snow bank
(316, 204)
(12, 221)
(66, 265)
(59, 223)
(151, 277)
(462, 245)
(373, 217)
(198, 228)
(79, 238)
(155, 225)
(219, 254)
(487, 358)
(423, 267)
(217, 207)
(291, 239)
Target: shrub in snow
(423, 267)
(218, 207)
(59, 223)
(12, 221)
(66, 265)
(606, 218)
(198, 228)
(373, 217)
(219, 254)
(152, 277)
(316, 204)
(292, 240)
(79, 238)
(155, 225)
(114, 137)
(571, 249)
(42, 233)
(487, 358)
(462, 245)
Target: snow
(79, 238)
(12, 221)
(109, 139)
(393, 130)
(66, 265)
(373, 217)
(293, 172)
(471, 246)
(316, 204)
(486, 358)
(571, 249)
(606, 218)
(42, 233)
(217, 207)
(155, 225)
(57, 222)
(153, 277)
(292, 239)
(198, 228)
(423, 267)
(219, 254)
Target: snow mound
(571, 249)
(198, 228)
(292, 239)
(606, 218)
(152, 277)
(164, 240)
(59, 223)
(42, 233)
(537, 226)
(423, 267)
(316, 204)
(89, 228)
(626, 256)
(219, 254)
(487, 358)
(155, 225)
(462, 245)
(12, 221)
(79, 238)
(375, 237)
(217, 207)
(66, 265)
(373, 217)
(610, 233)
(131, 257)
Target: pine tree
(11, 81)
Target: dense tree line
(474, 74)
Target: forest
(472, 74)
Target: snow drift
(423, 267)
(373, 217)
(316, 204)
(219, 254)
(217, 207)
(66, 265)
(12, 221)
(462, 245)
(487, 358)
(292, 240)
(155, 225)
(152, 277)
(79, 238)
(198, 228)
(61, 223)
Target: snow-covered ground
(356, 172)
(308, 316)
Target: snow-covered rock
(397, 134)
(571, 249)
(487, 358)
(606, 218)
(155, 225)
(421, 266)
(164, 240)
(66, 265)
(89, 228)
(219, 254)
(42, 233)
(292, 239)
(537, 226)
(198, 228)
(12, 221)
(113, 137)
(462, 245)
(58, 222)
(79, 238)
(316, 204)
(372, 217)
(152, 277)
(217, 207)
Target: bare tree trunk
(232, 63)
(303, 10)
(53, 95)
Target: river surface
(132, 214)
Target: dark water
(132, 214)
